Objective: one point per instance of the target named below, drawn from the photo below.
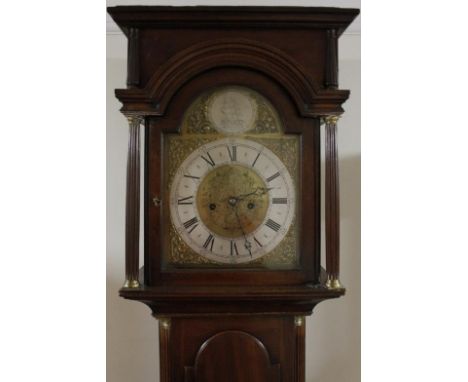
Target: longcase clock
(231, 101)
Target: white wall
(333, 331)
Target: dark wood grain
(221, 17)
(300, 323)
(204, 300)
(133, 58)
(331, 79)
(165, 350)
(301, 82)
(235, 348)
(242, 356)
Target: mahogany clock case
(284, 53)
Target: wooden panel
(207, 349)
(224, 357)
(306, 46)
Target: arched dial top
(232, 200)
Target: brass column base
(131, 284)
(334, 284)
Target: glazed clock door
(231, 186)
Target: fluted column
(332, 204)
(132, 208)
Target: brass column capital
(299, 320)
(327, 119)
(134, 119)
(165, 323)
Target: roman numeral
(209, 240)
(191, 176)
(273, 225)
(255, 161)
(209, 160)
(193, 228)
(260, 244)
(233, 154)
(190, 223)
(185, 200)
(274, 176)
(280, 200)
(234, 249)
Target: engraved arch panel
(225, 356)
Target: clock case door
(308, 192)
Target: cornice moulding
(113, 29)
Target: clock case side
(308, 267)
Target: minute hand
(261, 189)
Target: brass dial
(232, 200)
